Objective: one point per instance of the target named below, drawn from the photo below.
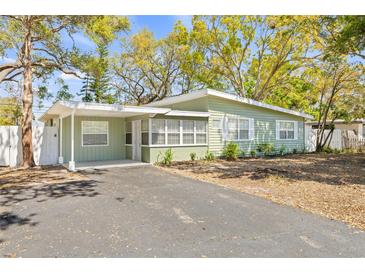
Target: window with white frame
(178, 132)
(188, 132)
(239, 128)
(144, 132)
(94, 133)
(201, 132)
(244, 129)
(158, 131)
(173, 132)
(286, 130)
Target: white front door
(136, 142)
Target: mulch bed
(332, 185)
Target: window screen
(286, 130)
(94, 133)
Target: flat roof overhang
(64, 109)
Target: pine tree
(100, 83)
(86, 90)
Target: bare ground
(20, 177)
(332, 185)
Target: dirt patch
(20, 177)
(329, 185)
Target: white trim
(277, 126)
(64, 108)
(251, 128)
(60, 156)
(181, 134)
(71, 163)
(202, 93)
(107, 133)
(183, 145)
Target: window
(188, 132)
(158, 131)
(239, 128)
(144, 132)
(94, 133)
(201, 132)
(232, 129)
(286, 130)
(128, 133)
(244, 129)
(178, 132)
(173, 132)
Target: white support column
(71, 163)
(60, 157)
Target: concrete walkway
(145, 212)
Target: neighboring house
(195, 122)
(353, 129)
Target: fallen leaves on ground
(332, 185)
(21, 177)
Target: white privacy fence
(45, 145)
(341, 139)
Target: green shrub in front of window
(166, 157)
(231, 151)
(253, 153)
(209, 156)
(266, 148)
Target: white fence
(45, 145)
(340, 139)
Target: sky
(159, 25)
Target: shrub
(209, 156)
(167, 157)
(327, 149)
(282, 150)
(266, 149)
(242, 153)
(253, 153)
(295, 151)
(231, 151)
(193, 156)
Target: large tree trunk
(28, 160)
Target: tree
(100, 82)
(63, 94)
(10, 111)
(346, 34)
(38, 43)
(249, 55)
(149, 69)
(341, 92)
(86, 91)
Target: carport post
(71, 163)
(60, 158)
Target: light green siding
(115, 150)
(129, 152)
(179, 153)
(264, 124)
(200, 104)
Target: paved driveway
(145, 212)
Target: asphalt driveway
(146, 212)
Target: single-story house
(354, 128)
(201, 121)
